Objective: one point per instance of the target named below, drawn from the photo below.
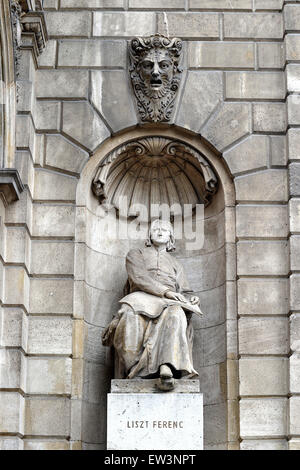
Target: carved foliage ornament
(155, 74)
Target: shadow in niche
(102, 287)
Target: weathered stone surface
(278, 150)
(295, 252)
(270, 55)
(294, 415)
(11, 327)
(68, 23)
(221, 55)
(263, 376)
(292, 44)
(255, 85)
(112, 98)
(293, 78)
(294, 141)
(47, 417)
(52, 258)
(214, 347)
(11, 443)
(16, 286)
(47, 376)
(221, 4)
(263, 296)
(269, 185)
(294, 211)
(215, 419)
(295, 373)
(156, 5)
(292, 17)
(148, 386)
(262, 258)
(46, 445)
(10, 368)
(249, 154)
(11, 403)
(263, 417)
(124, 24)
(48, 57)
(229, 124)
(294, 444)
(51, 296)
(202, 94)
(47, 115)
(293, 103)
(60, 153)
(51, 186)
(111, 4)
(91, 130)
(50, 4)
(269, 117)
(263, 336)
(61, 84)
(294, 172)
(189, 25)
(93, 348)
(268, 4)
(295, 332)
(50, 335)
(253, 25)
(295, 291)
(258, 221)
(17, 245)
(264, 444)
(50, 220)
(91, 53)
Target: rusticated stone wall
(240, 93)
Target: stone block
(50, 4)
(293, 103)
(263, 417)
(189, 25)
(47, 376)
(114, 269)
(112, 98)
(252, 153)
(295, 252)
(97, 382)
(47, 417)
(221, 55)
(87, 129)
(93, 349)
(123, 24)
(255, 85)
(264, 444)
(62, 154)
(11, 403)
(203, 91)
(294, 444)
(269, 117)
(294, 180)
(46, 445)
(50, 335)
(25, 95)
(220, 4)
(230, 123)
(253, 25)
(51, 296)
(262, 258)
(110, 4)
(10, 368)
(293, 78)
(11, 443)
(214, 347)
(263, 335)
(156, 5)
(268, 4)
(80, 330)
(10, 327)
(200, 278)
(17, 245)
(93, 429)
(263, 376)
(278, 150)
(99, 305)
(213, 304)
(294, 415)
(16, 286)
(48, 58)
(295, 332)
(269, 185)
(52, 257)
(294, 140)
(292, 17)
(294, 373)
(263, 296)
(47, 115)
(295, 291)
(294, 210)
(292, 45)
(91, 53)
(50, 220)
(215, 422)
(73, 23)
(61, 84)
(258, 221)
(51, 186)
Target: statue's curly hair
(140, 46)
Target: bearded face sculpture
(155, 75)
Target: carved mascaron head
(155, 75)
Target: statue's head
(161, 233)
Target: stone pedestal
(140, 417)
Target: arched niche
(100, 276)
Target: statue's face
(160, 234)
(156, 71)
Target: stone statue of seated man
(152, 332)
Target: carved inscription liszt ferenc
(155, 74)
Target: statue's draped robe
(144, 343)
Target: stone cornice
(11, 185)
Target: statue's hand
(175, 296)
(195, 300)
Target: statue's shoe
(166, 384)
(165, 372)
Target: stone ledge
(149, 386)
(11, 185)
